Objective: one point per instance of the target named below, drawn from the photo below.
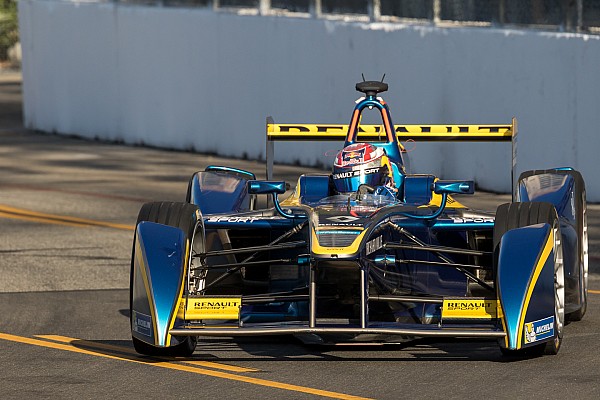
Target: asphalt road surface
(67, 210)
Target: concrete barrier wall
(192, 78)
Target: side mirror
(454, 187)
(270, 187)
(266, 187)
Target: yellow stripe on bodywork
(500, 316)
(494, 133)
(294, 199)
(353, 248)
(180, 294)
(538, 269)
(436, 200)
(149, 295)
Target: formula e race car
(367, 252)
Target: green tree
(9, 27)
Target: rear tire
(178, 215)
(582, 242)
(582, 235)
(517, 215)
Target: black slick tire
(580, 209)
(179, 215)
(517, 215)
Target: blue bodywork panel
(159, 258)
(551, 188)
(219, 192)
(313, 188)
(525, 281)
(417, 189)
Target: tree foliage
(9, 26)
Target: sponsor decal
(415, 129)
(453, 129)
(345, 224)
(353, 157)
(213, 308)
(338, 232)
(142, 324)
(238, 219)
(343, 175)
(342, 218)
(373, 245)
(458, 220)
(309, 128)
(358, 172)
(539, 330)
(472, 308)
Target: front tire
(517, 215)
(179, 215)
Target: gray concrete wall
(194, 78)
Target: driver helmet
(358, 164)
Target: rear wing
(418, 133)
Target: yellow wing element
(472, 308)
(317, 132)
(377, 133)
(436, 200)
(212, 308)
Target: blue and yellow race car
(367, 252)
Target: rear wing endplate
(418, 133)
